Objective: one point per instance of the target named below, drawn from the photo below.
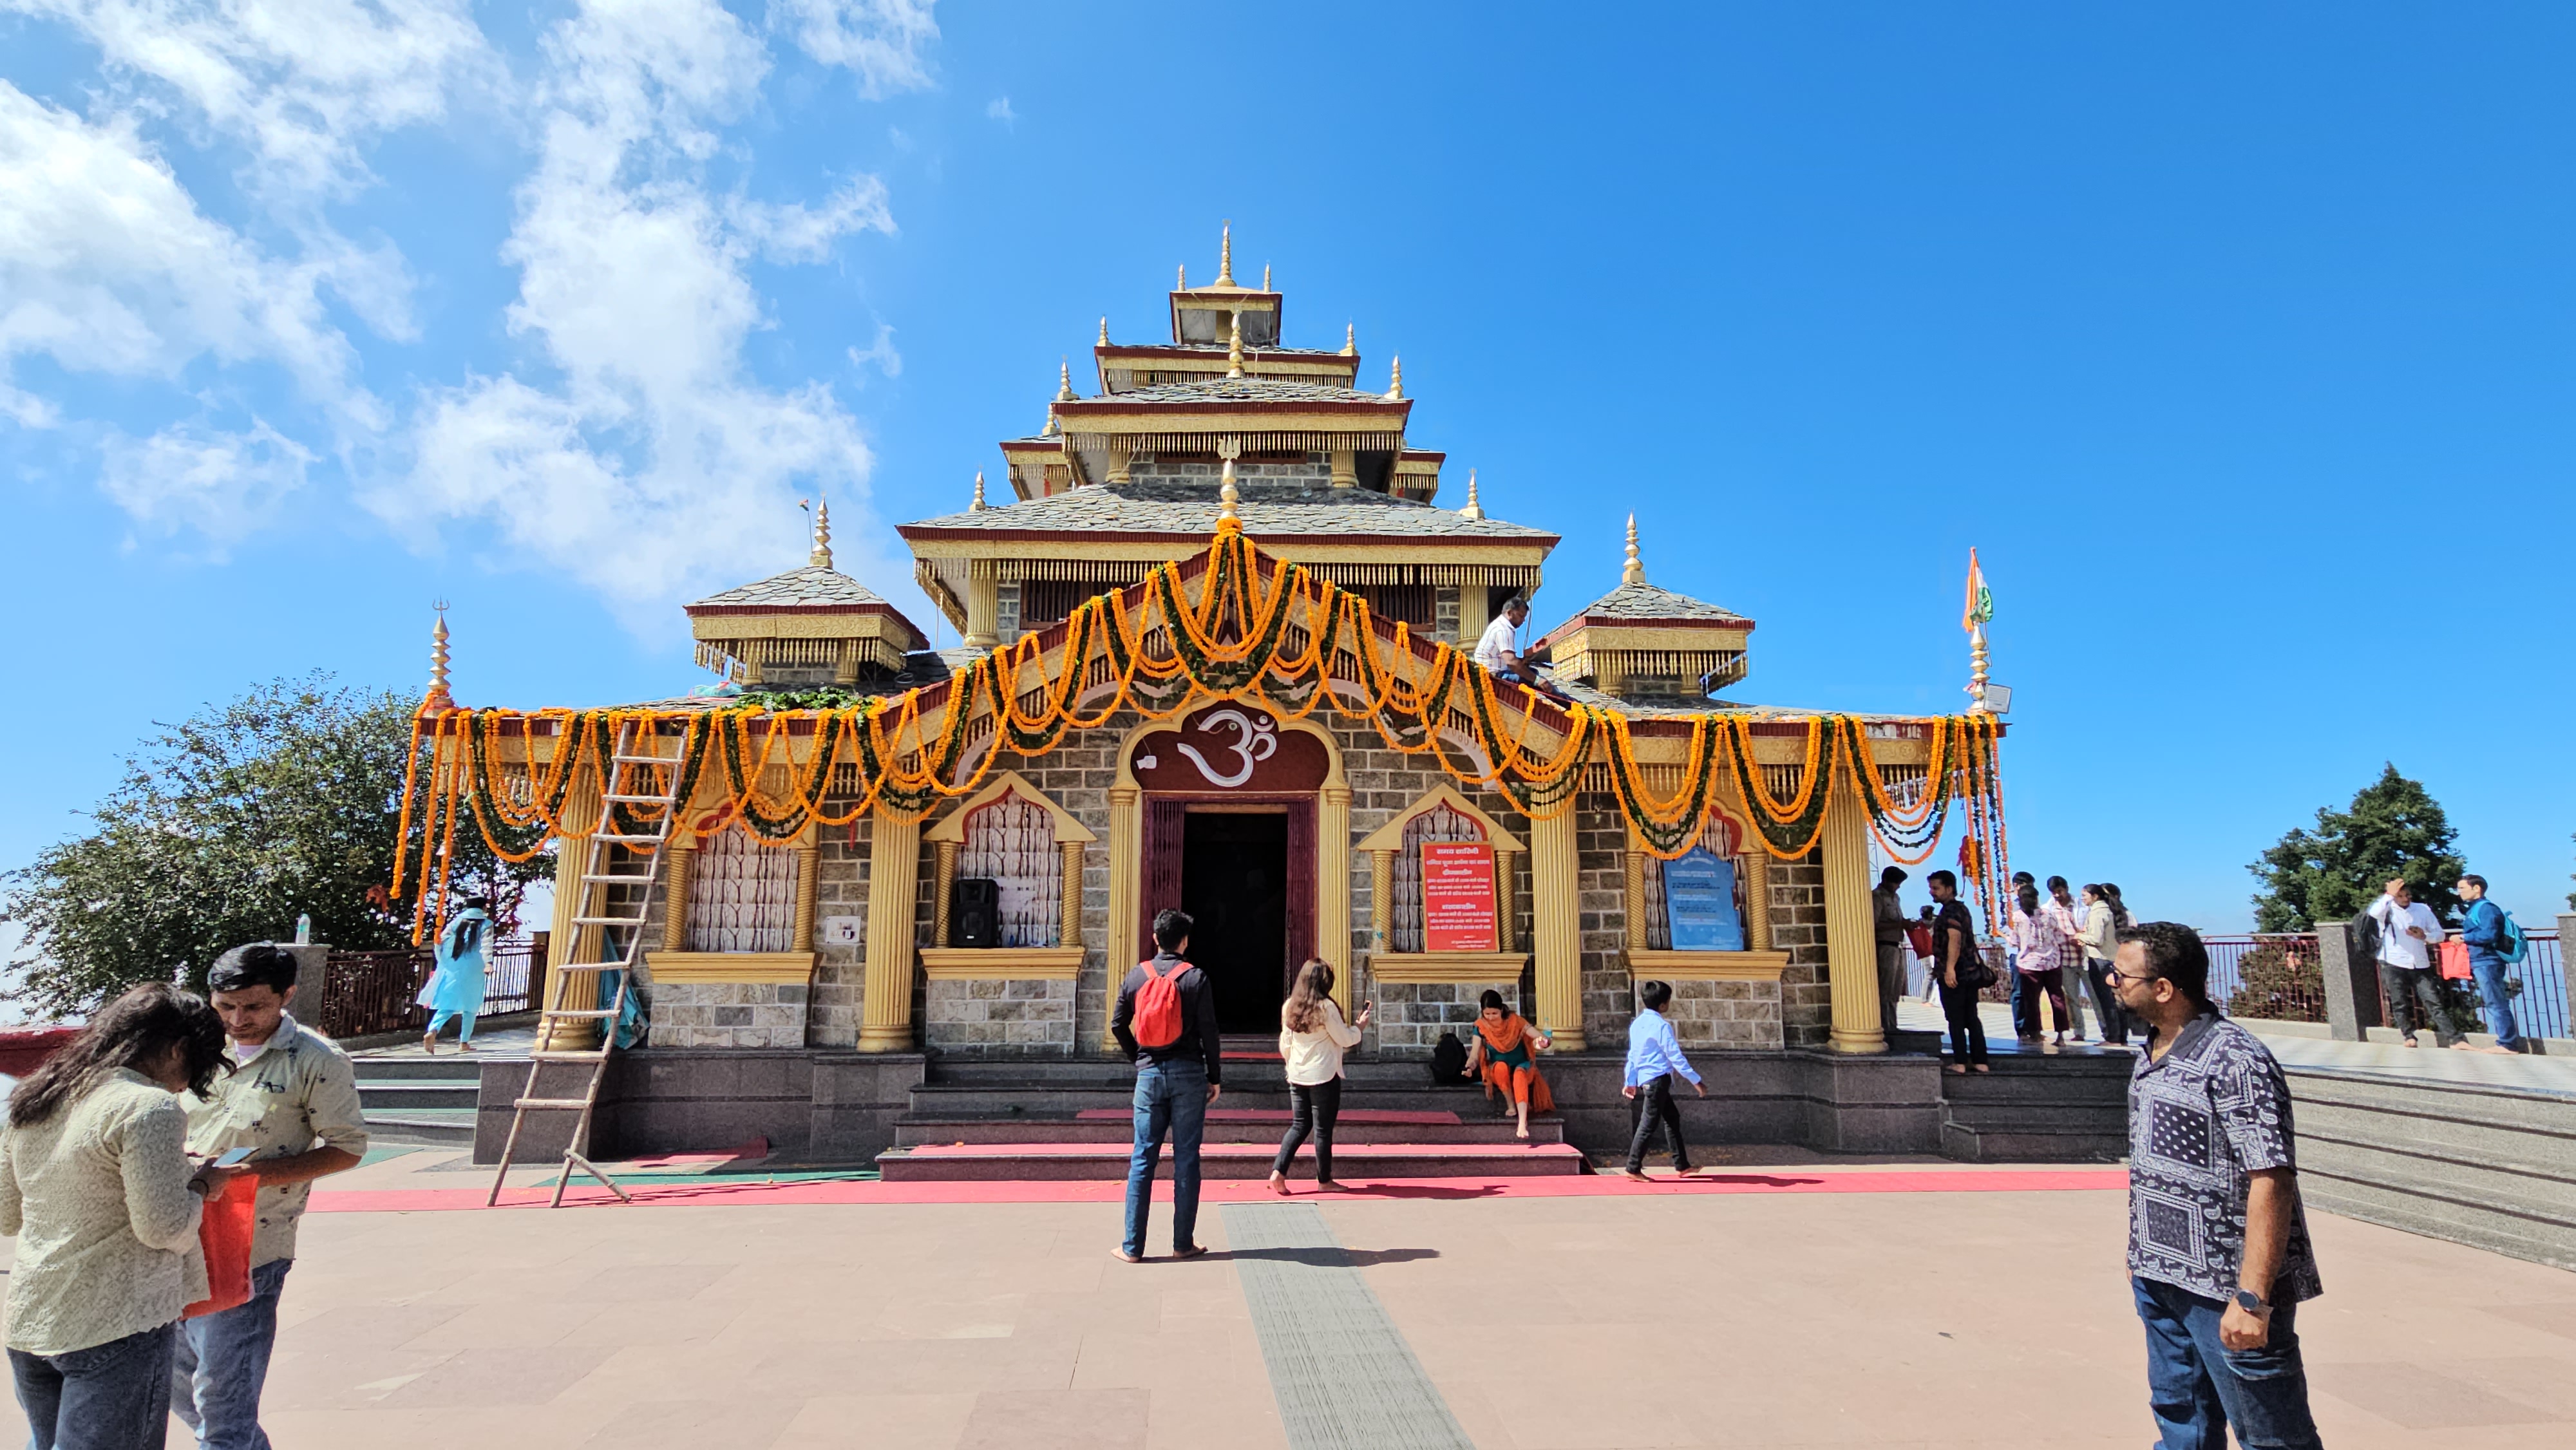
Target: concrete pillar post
(1851, 942)
(1556, 904)
(886, 1021)
(1126, 880)
(2352, 983)
(983, 612)
(568, 990)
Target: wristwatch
(2252, 1303)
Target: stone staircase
(2491, 1167)
(427, 1101)
(1071, 1120)
(2067, 1108)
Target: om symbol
(1256, 740)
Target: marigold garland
(1160, 654)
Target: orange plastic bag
(224, 1232)
(2455, 960)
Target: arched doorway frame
(1332, 851)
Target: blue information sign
(1699, 903)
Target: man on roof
(1496, 651)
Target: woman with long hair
(96, 1184)
(1313, 1037)
(1506, 1053)
(2101, 939)
(455, 989)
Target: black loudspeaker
(975, 913)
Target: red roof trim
(919, 533)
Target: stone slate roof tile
(1650, 601)
(812, 585)
(1240, 390)
(1269, 507)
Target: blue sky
(2238, 340)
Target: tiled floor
(1630, 1319)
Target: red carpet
(743, 1192)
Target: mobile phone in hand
(234, 1157)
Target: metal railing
(366, 993)
(2281, 976)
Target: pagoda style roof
(1217, 350)
(817, 587)
(1272, 512)
(1650, 604)
(1246, 391)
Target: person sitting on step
(1506, 1053)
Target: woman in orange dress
(1506, 1051)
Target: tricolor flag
(1981, 600)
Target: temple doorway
(1234, 883)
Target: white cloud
(880, 41)
(653, 466)
(999, 108)
(107, 265)
(880, 352)
(224, 486)
(304, 83)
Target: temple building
(1213, 627)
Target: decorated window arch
(1014, 835)
(1403, 917)
(741, 894)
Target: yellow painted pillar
(893, 846)
(983, 612)
(1757, 898)
(1333, 888)
(1633, 879)
(1851, 943)
(1556, 906)
(809, 867)
(1126, 880)
(573, 944)
(1472, 615)
(675, 890)
(1069, 931)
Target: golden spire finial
(1234, 346)
(1474, 509)
(1064, 381)
(1395, 382)
(1225, 258)
(437, 697)
(1104, 332)
(979, 492)
(821, 558)
(1634, 571)
(1350, 339)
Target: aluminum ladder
(636, 778)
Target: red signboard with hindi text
(1457, 896)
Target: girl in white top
(96, 1185)
(1312, 1037)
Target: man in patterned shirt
(2218, 1244)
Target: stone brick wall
(729, 1014)
(1409, 1019)
(840, 889)
(1026, 1018)
(1798, 927)
(1723, 1015)
(1601, 839)
(1316, 468)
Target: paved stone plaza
(1941, 1306)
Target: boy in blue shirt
(1654, 1055)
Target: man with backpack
(2495, 942)
(1166, 1020)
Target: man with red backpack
(1166, 1020)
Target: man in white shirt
(1496, 651)
(2408, 932)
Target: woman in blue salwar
(455, 989)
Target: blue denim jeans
(112, 1396)
(2198, 1388)
(1171, 1097)
(222, 1362)
(2499, 1002)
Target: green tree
(2392, 829)
(225, 828)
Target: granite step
(1062, 1161)
(1224, 1125)
(405, 1094)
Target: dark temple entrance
(1234, 883)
